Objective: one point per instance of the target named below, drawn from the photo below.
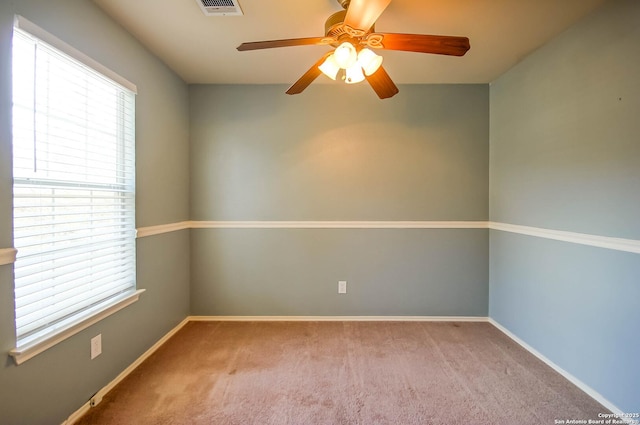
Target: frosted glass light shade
(329, 67)
(345, 55)
(369, 61)
(354, 74)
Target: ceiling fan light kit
(354, 74)
(345, 55)
(330, 67)
(356, 66)
(352, 33)
(369, 61)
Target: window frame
(89, 316)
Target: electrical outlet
(96, 346)
(342, 287)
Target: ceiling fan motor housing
(334, 28)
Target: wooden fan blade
(382, 84)
(362, 14)
(270, 44)
(421, 43)
(308, 77)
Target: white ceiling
(202, 49)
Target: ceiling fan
(352, 33)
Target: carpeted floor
(342, 373)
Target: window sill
(27, 351)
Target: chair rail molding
(7, 256)
(618, 244)
(607, 242)
(339, 224)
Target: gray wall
(337, 153)
(49, 387)
(565, 155)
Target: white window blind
(73, 191)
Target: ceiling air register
(220, 7)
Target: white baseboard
(95, 400)
(578, 383)
(75, 416)
(338, 319)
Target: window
(73, 190)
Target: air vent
(220, 7)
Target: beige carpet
(342, 373)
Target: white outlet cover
(96, 346)
(342, 287)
